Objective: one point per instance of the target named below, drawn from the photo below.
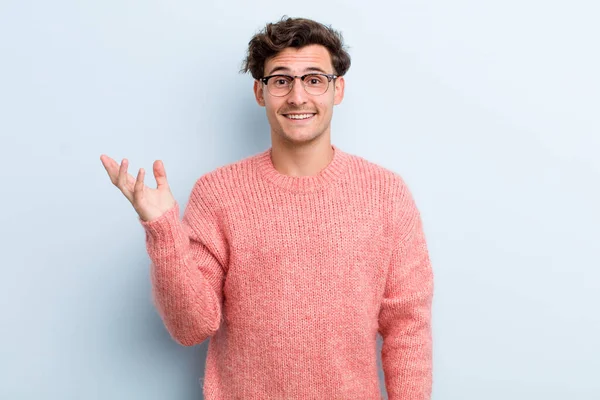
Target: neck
(302, 160)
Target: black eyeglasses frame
(330, 77)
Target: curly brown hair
(294, 32)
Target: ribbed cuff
(165, 233)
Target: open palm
(149, 203)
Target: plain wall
(489, 110)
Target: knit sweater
(292, 278)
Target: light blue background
(488, 109)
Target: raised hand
(148, 203)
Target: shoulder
(390, 186)
(223, 181)
(378, 176)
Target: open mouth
(299, 117)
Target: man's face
(294, 61)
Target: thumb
(160, 174)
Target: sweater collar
(302, 184)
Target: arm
(405, 315)
(187, 267)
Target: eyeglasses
(281, 85)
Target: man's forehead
(306, 58)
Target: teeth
(299, 116)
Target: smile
(299, 116)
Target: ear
(259, 93)
(339, 90)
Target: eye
(279, 81)
(315, 80)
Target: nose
(298, 94)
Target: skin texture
(148, 202)
(300, 148)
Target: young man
(293, 259)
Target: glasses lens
(279, 85)
(316, 84)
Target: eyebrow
(286, 69)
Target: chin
(300, 137)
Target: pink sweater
(293, 277)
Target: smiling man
(292, 260)
(294, 87)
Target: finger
(122, 181)
(111, 167)
(160, 174)
(138, 189)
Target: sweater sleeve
(187, 270)
(405, 314)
